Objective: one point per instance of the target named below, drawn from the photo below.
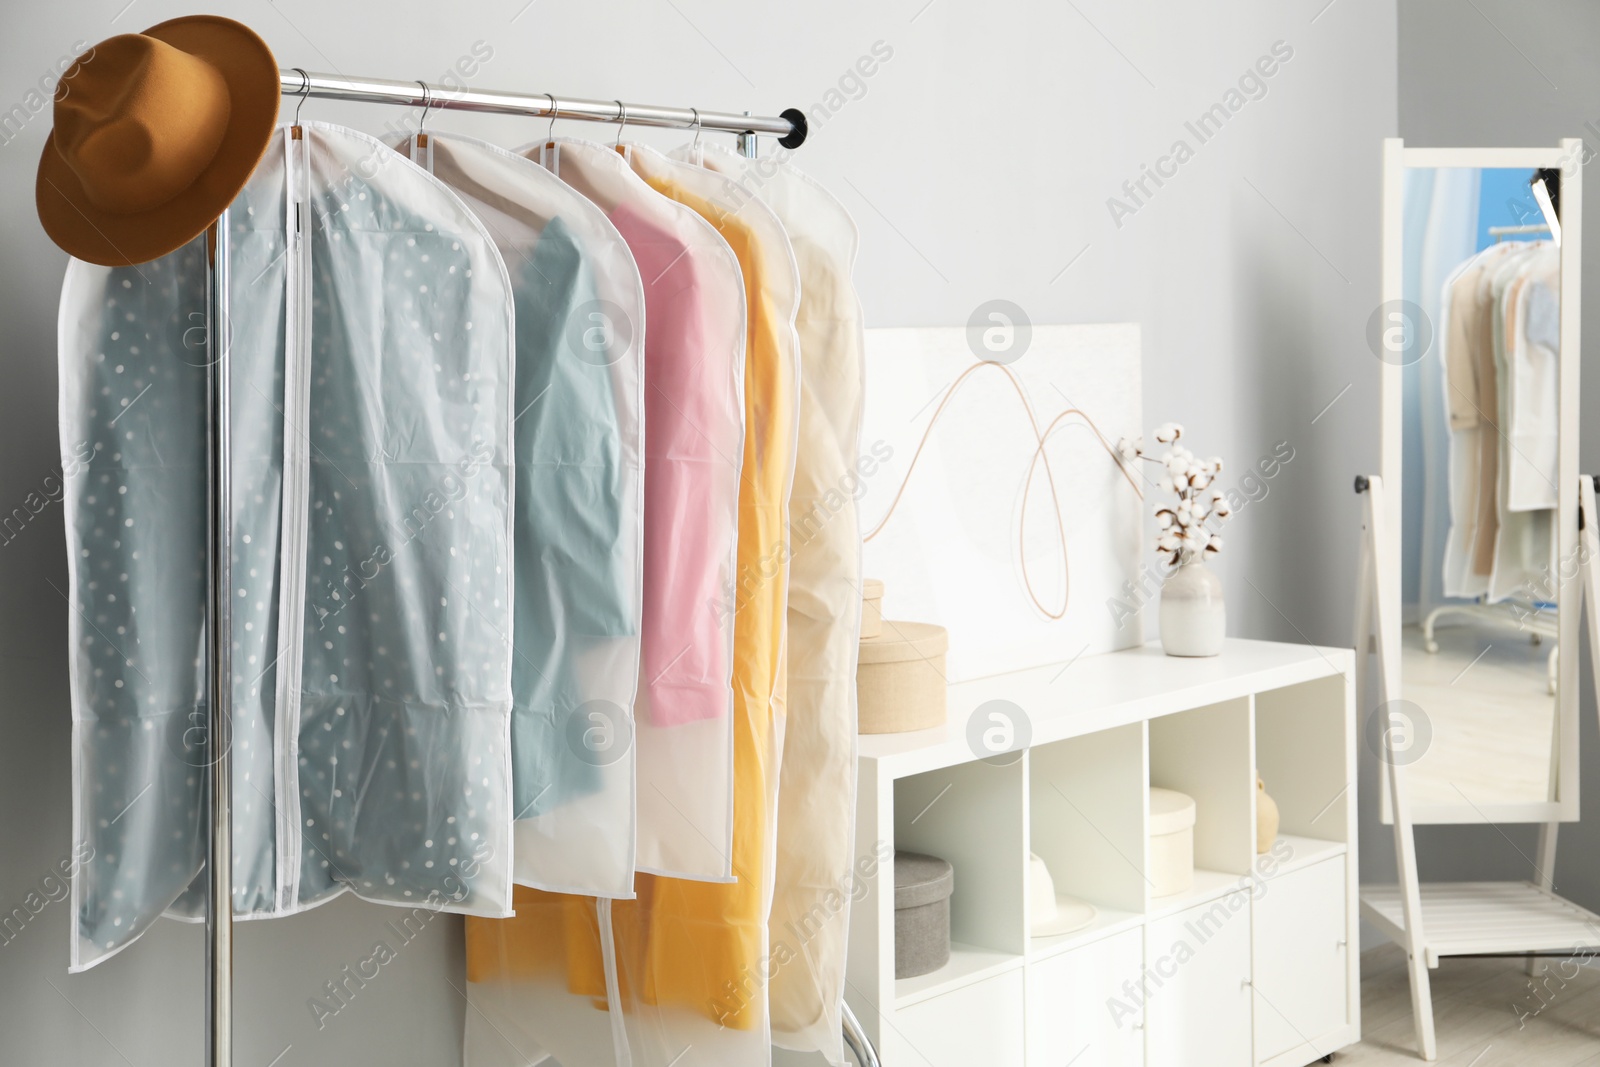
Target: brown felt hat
(155, 134)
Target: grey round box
(922, 888)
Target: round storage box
(871, 607)
(922, 888)
(1171, 842)
(900, 682)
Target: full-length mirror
(1479, 470)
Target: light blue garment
(371, 361)
(403, 710)
(133, 356)
(578, 513)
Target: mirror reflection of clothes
(1498, 347)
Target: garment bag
(693, 957)
(678, 975)
(814, 880)
(1525, 547)
(366, 756)
(694, 439)
(533, 978)
(1532, 417)
(133, 355)
(1469, 392)
(398, 484)
(580, 335)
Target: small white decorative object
(1193, 616)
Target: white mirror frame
(1568, 157)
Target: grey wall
(979, 160)
(1495, 72)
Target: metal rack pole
(219, 669)
(789, 127)
(747, 143)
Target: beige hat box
(1172, 816)
(900, 677)
(871, 607)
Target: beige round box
(900, 683)
(871, 607)
(1172, 816)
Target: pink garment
(692, 454)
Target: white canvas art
(961, 547)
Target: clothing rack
(1498, 232)
(789, 128)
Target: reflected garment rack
(790, 129)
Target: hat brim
(118, 240)
(1071, 915)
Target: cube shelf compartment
(1251, 965)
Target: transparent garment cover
(816, 876)
(1525, 543)
(398, 478)
(419, 815)
(132, 351)
(694, 439)
(580, 341)
(678, 975)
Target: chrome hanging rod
(789, 127)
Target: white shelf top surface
(1092, 693)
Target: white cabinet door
(1197, 974)
(1300, 957)
(1084, 1005)
(976, 1024)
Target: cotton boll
(1163, 519)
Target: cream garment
(1463, 339)
(816, 800)
(1489, 349)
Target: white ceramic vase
(1193, 616)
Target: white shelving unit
(1253, 965)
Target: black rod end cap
(799, 127)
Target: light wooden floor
(1486, 695)
(1486, 1013)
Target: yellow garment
(685, 944)
(703, 944)
(810, 918)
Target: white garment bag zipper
(296, 476)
